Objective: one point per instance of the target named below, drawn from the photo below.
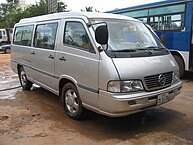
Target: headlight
(114, 86)
(176, 77)
(125, 86)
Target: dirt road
(36, 117)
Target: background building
(21, 3)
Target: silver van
(107, 63)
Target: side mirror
(101, 35)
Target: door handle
(51, 57)
(62, 58)
(32, 53)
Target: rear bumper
(116, 105)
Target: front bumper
(116, 105)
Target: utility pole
(52, 6)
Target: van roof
(73, 14)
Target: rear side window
(4, 33)
(76, 35)
(23, 35)
(45, 35)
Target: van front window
(131, 37)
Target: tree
(62, 7)
(89, 9)
(11, 13)
(41, 8)
(14, 17)
(37, 9)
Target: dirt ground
(37, 117)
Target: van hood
(138, 68)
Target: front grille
(158, 81)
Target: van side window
(75, 35)
(23, 35)
(4, 33)
(45, 35)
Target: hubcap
(23, 78)
(71, 101)
(8, 51)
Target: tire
(72, 102)
(25, 83)
(180, 63)
(7, 51)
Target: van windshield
(131, 37)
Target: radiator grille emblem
(162, 80)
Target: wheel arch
(180, 60)
(179, 54)
(4, 42)
(18, 67)
(64, 80)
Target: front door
(77, 59)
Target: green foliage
(89, 9)
(40, 8)
(11, 13)
(62, 7)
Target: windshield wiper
(125, 50)
(146, 48)
(152, 48)
(155, 47)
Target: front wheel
(72, 102)
(25, 83)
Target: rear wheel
(25, 83)
(72, 102)
(180, 63)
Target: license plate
(162, 98)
